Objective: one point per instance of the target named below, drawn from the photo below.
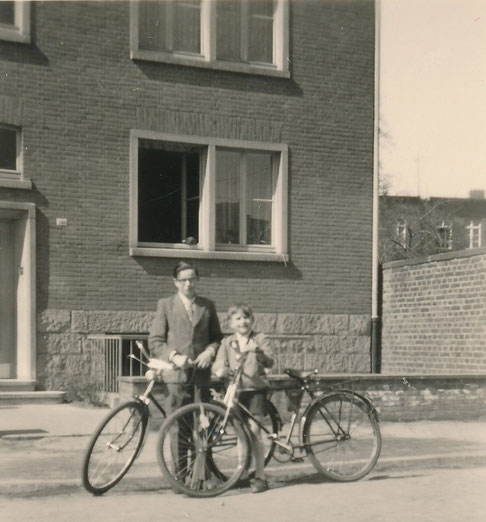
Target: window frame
(15, 178)
(474, 226)
(402, 233)
(445, 242)
(207, 247)
(20, 31)
(207, 58)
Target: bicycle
(120, 436)
(339, 432)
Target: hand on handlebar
(260, 356)
(223, 373)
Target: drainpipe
(375, 319)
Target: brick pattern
(77, 94)
(434, 314)
(395, 397)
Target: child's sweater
(229, 355)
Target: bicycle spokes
(341, 436)
(200, 453)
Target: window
(245, 35)
(445, 235)
(473, 231)
(15, 21)
(198, 197)
(402, 233)
(245, 184)
(168, 189)
(11, 174)
(9, 152)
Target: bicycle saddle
(300, 375)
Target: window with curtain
(245, 185)
(170, 25)
(245, 31)
(240, 35)
(207, 197)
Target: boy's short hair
(183, 265)
(244, 308)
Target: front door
(8, 298)
(17, 291)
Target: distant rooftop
(476, 194)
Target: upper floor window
(445, 235)
(245, 36)
(15, 21)
(473, 231)
(201, 197)
(402, 233)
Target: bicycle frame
(306, 388)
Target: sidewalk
(48, 420)
(42, 448)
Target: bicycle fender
(349, 393)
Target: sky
(433, 97)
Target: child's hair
(242, 308)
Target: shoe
(259, 486)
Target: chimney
(476, 194)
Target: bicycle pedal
(297, 459)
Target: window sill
(12, 35)
(262, 70)
(16, 183)
(202, 254)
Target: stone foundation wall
(331, 343)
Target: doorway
(17, 291)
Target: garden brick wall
(397, 398)
(76, 94)
(434, 314)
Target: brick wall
(76, 95)
(434, 314)
(403, 398)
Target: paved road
(446, 495)
(427, 471)
(52, 465)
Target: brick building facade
(415, 227)
(91, 99)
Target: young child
(258, 352)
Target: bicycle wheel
(199, 452)
(114, 446)
(342, 436)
